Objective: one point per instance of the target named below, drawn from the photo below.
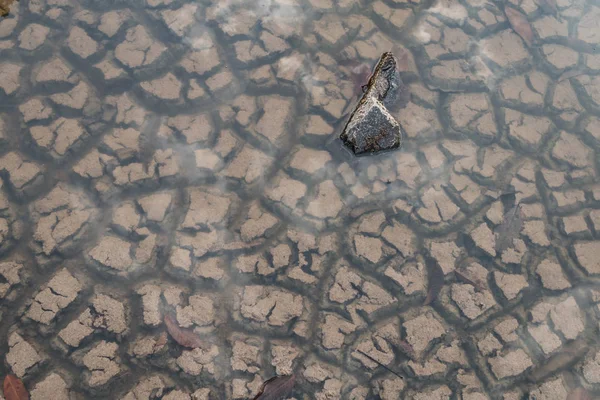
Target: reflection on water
(171, 166)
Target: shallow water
(180, 160)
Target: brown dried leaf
(161, 341)
(14, 389)
(5, 7)
(579, 394)
(435, 283)
(278, 387)
(185, 337)
(520, 24)
(407, 349)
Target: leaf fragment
(277, 387)
(518, 21)
(465, 277)
(161, 341)
(185, 337)
(435, 283)
(572, 73)
(14, 389)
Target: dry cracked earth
(173, 158)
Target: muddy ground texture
(164, 158)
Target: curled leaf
(518, 21)
(572, 73)
(407, 349)
(278, 387)
(161, 341)
(14, 389)
(435, 283)
(185, 337)
(476, 283)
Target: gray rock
(371, 127)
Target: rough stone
(371, 127)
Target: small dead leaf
(572, 73)
(161, 341)
(407, 349)
(579, 394)
(185, 337)
(5, 7)
(520, 24)
(476, 283)
(278, 387)
(14, 389)
(435, 283)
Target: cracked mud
(166, 160)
